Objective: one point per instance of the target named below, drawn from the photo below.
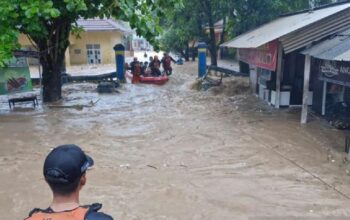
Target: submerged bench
(33, 99)
(227, 72)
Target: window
(93, 53)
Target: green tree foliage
(182, 26)
(248, 14)
(239, 16)
(48, 25)
(188, 24)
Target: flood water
(170, 152)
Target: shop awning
(297, 30)
(336, 48)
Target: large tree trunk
(52, 54)
(212, 39)
(52, 87)
(222, 37)
(193, 51)
(187, 53)
(212, 48)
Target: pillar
(324, 97)
(304, 111)
(279, 73)
(202, 59)
(120, 61)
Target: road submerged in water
(172, 152)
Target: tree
(182, 27)
(208, 9)
(195, 21)
(190, 24)
(48, 25)
(173, 41)
(248, 14)
(212, 11)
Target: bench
(33, 99)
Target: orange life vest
(136, 74)
(75, 214)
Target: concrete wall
(106, 40)
(26, 44)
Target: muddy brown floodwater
(174, 153)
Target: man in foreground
(65, 172)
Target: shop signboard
(264, 57)
(15, 77)
(337, 72)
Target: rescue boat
(157, 80)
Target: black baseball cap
(65, 164)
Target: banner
(264, 57)
(26, 53)
(15, 77)
(337, 72)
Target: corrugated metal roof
(284, 26)
(103, 25)
(336, 48)
(316, 31)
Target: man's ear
(83, 180)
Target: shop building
(330, 75)
(272, 53)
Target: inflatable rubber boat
(157, 80)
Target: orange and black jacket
(81, 213)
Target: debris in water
(232, 86)
(127, 166)
(77, 106)
(182, 164)
(152, 167)
(203, 84)
(255, 121)
(107, 87)
(329, 157)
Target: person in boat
(148, 68)
(65, 172)
(132, 64)
(136, 73)
(155, 66)
(144, 68)
(150, 61)
(126, 66)
(166, 61)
